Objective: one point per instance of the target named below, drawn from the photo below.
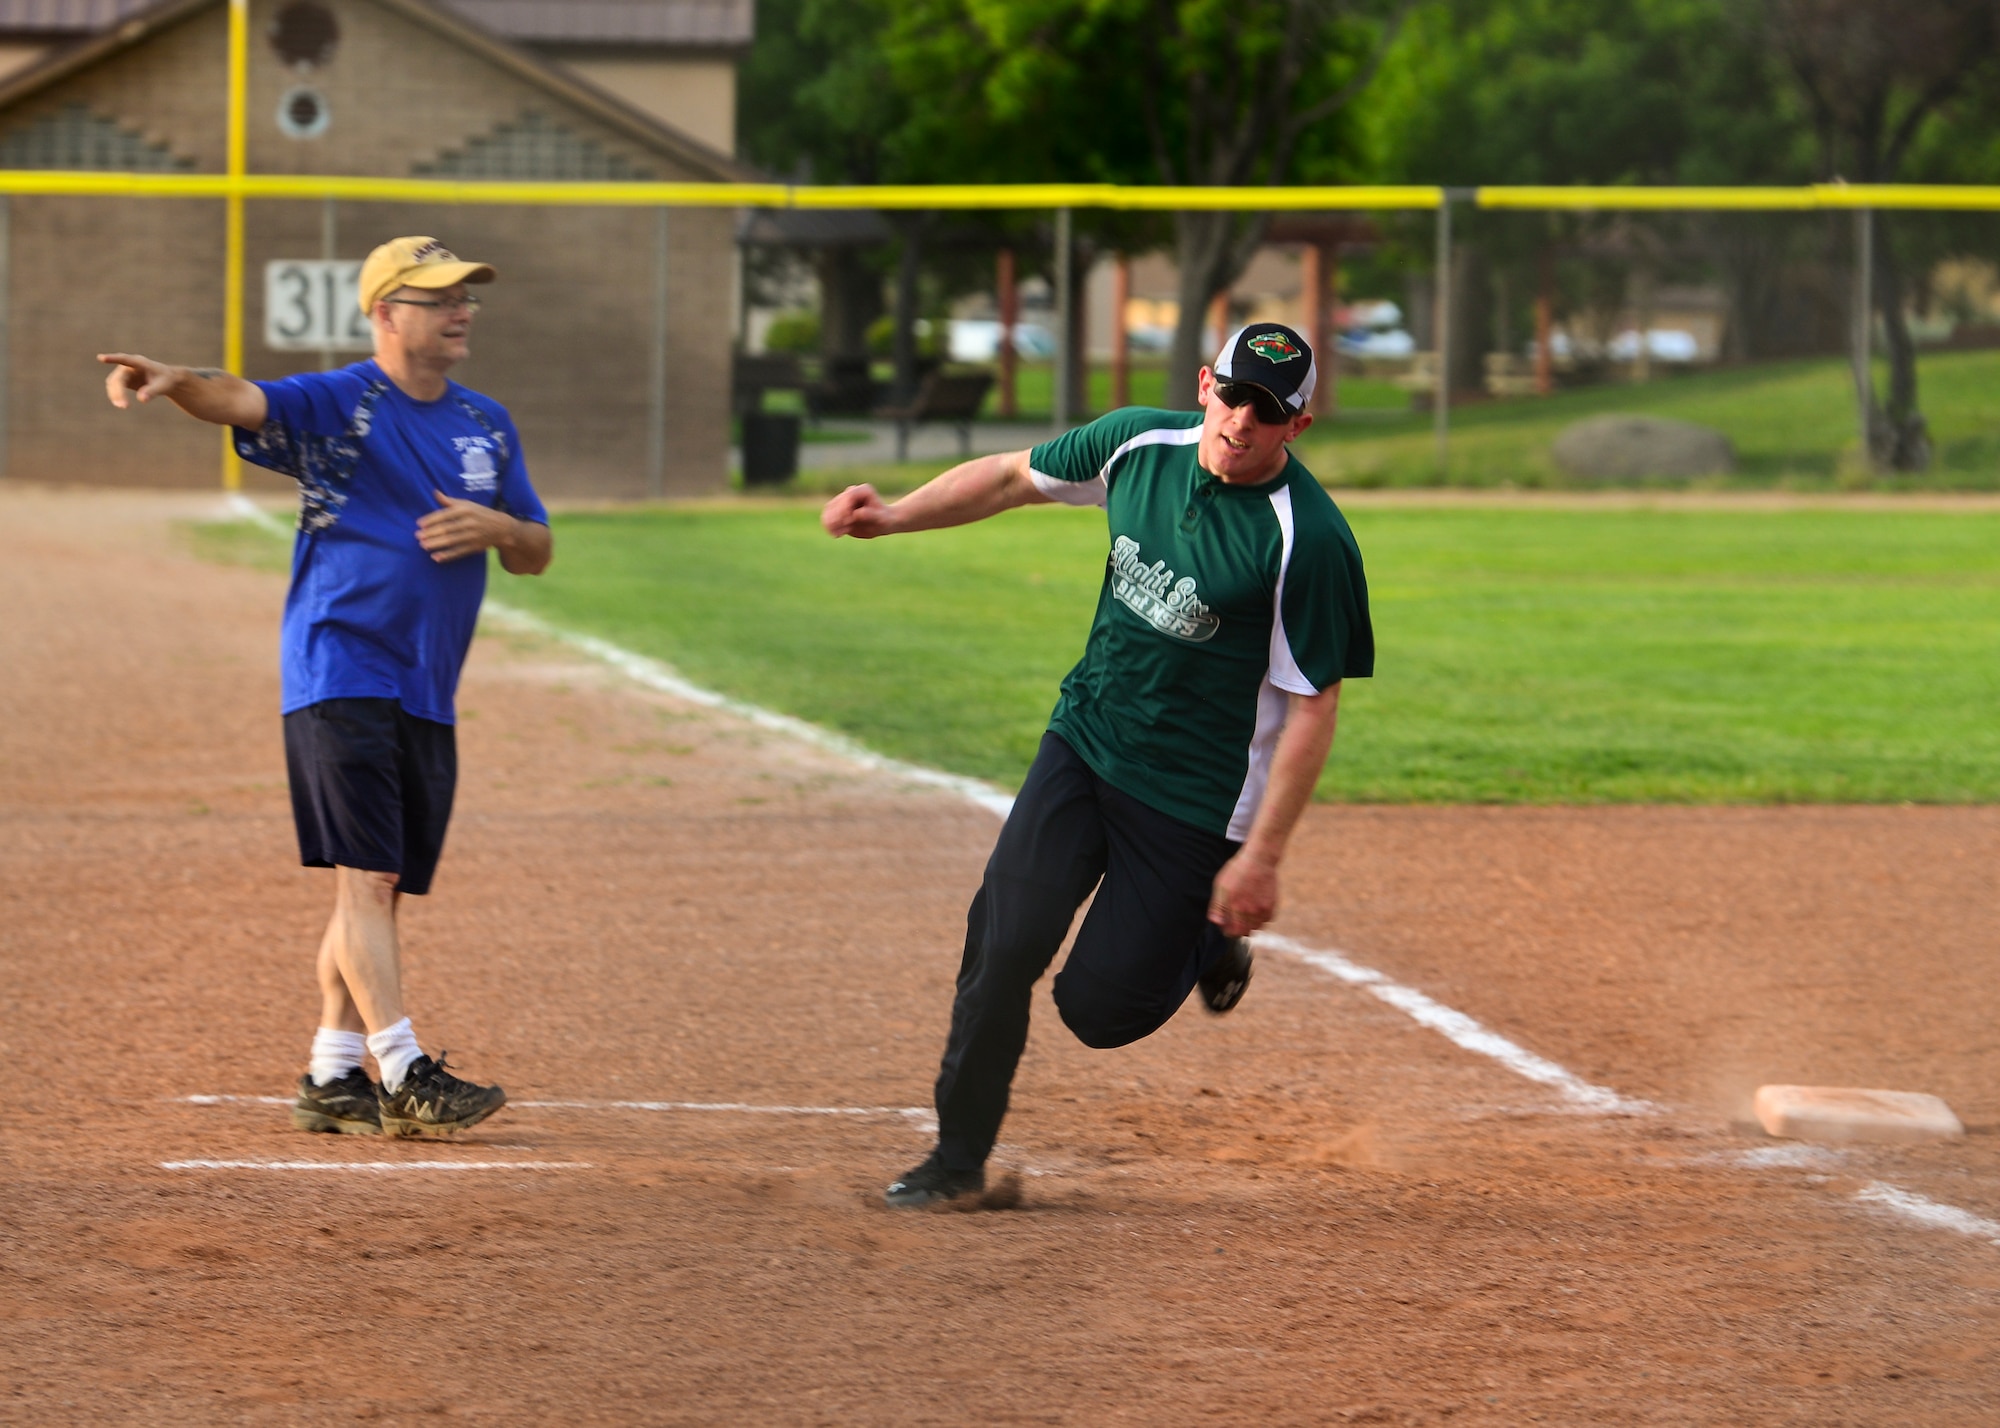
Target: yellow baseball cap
(415, 263)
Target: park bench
(953, 397)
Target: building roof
(677, 24)
(65, 17)
(148, 18)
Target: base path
(712, 968)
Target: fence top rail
(1320, 198)
(1632, 196)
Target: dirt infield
(729, 958)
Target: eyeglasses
(1263, 402)
(468, 303)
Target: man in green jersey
(1185, 743)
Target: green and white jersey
(1218, 601)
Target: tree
(1598, 92)
(814, 101)
(1879, 76)
(1178, 92)
(1246, 93)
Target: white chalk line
(1933, 1214)
(1455, 1026)
(730, 1107)
(658, 676)
(1461, 1030)
(378, 1167)
(744, 1108)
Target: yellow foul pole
(232, 261)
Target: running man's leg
(1146, 939)
(1049, 855)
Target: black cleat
(932, 1184)
(345, 1105)
(1223, 984)
(432, 1103)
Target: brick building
(608, 333)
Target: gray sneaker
(344, 1106)
(433, 1104)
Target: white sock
(394, 1048)
(335, 1053)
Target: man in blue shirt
(406, 480)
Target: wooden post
(1010, 313)
(1079, 336)
(1121, 344)
(1545, 355)
(1319, 269)
(1642, 364)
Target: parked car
(977, 339)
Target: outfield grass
(1527, 654)
(1793, 425)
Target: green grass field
(1792, 424)
(1526, 654)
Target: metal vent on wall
(532, 147)
(75, 138)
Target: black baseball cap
(1272, 356)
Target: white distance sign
(310, 306)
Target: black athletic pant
(1142, 946)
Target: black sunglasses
(1269, 409)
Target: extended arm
(1245, 896)
(205, 392)
(970, 491)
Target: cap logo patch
(1273, 347)
(433, 250)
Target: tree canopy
(1459, 92)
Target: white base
(1846, 1113)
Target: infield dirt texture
(1311, 1211)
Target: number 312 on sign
(310, 306)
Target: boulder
(1621, 447)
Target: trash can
(770, 447)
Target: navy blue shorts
(371, 787)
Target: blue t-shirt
(370, 615)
